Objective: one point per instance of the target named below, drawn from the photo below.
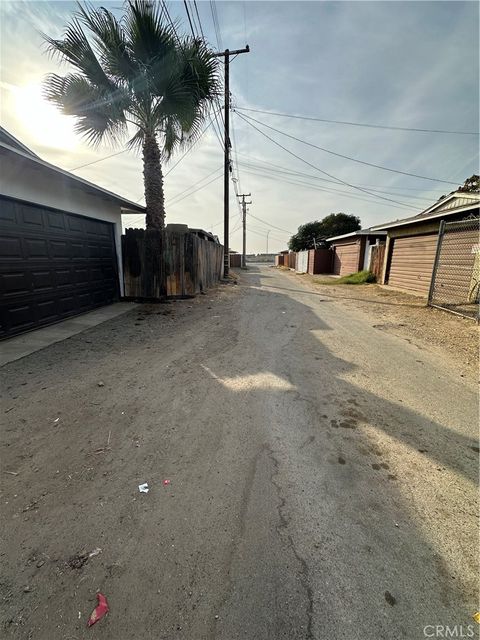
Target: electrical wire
(330, 175)
(256, 168)
(198, 18)
(189, 18)
(340, 155)
(360, 124)
(368, 186)
(269, 224)
(191, 146)
(184, 155)
(216, 25)
(87, 164)
(258, 233)
(195, 183)
(322, 189)
(172, 204)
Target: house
(60, 244)
(352, 250)
(412, 242)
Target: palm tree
(134, 78)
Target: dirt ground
(407, 315)
(322, 472)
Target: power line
(270, 225)
(293, 174)
(340, 155)
(188, 16)
(185, 154)
(368, 186)
(171, 204)
(322, 189)
(198, 18)
(216, 24)
(360, 124)
(330, 175)
(258, 233)
(191, 146)
(195, 183)
(87, 164)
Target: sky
(396, 64)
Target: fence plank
(159, 264)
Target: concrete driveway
(322, 476)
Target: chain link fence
(455, 284)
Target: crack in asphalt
(283, 526)
(246, 493)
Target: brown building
(412, 242)
(352, 250)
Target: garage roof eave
(445, 213)
(360, 232)
(85, 184)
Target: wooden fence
(161, 264)
(235, 260)
(377, 255)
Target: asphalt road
(322, 476)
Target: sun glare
(41, 120)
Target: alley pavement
(310, 477)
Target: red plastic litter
(99, 611)
(165, 482)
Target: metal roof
(444, 207)
(359, 232)
(15, 147)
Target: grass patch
(361, 277)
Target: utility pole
(226, 169)
(244, 220)
(267, 239)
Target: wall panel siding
(412, 263)
(302, 262)
(346, 258)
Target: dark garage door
(53, 265)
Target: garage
(53, 265)
(346, 258)
(412, 263)
(60, 241)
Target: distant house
(60, 246)
(411, 243)
(352, 250)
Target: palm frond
(136, 141)
(75, 49)
(150, 38)
(100, 114)
(109, 38)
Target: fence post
(441, 231)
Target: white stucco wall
(39, 185)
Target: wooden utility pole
(244, 221)
(226, 169)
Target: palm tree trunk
(153, 181)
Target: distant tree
(471, 185)
(303, 239)
(313, 233)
